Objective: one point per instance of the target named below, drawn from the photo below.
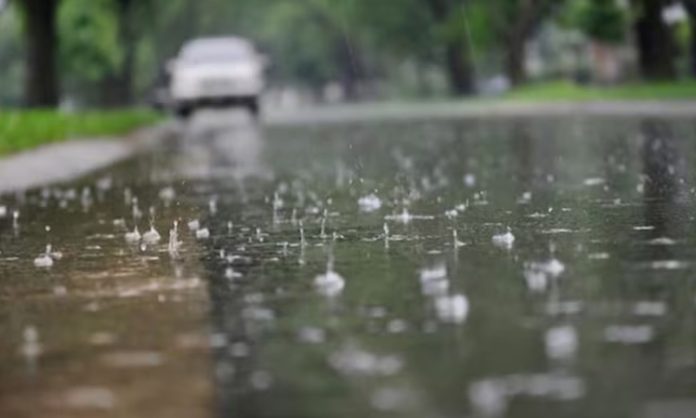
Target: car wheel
(184, 112)
(254, 108)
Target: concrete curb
(64, 161)
(384, 112)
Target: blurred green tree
(89, 47)
(11, 56)
(513, 23)
(601, 20)
(41, 39)
(690, 6)
(654, 40)
(453, 30)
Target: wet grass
(568, 91)
(20, 130)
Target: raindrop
(451, 214)
(629, 334)
(391, 399)
(174, 243)
(202, 233)
(167, 195)
(650, 308)
(311, 335)
(322, 234)
(561, 342)
(151, 237)
(133, 359)
(133, 237)
(44, 260)
(488, 397)
(231, 274)
(31, 347)
(330, 283)
(261, 380)
(505, 240)
(470, 180)
(354, 361)
(455, 241)
(194, 225)
(90, 397)
(404, 217)
(369, 203)
(136, 212)
(453, 309)
(397, 326)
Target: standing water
(587, 312)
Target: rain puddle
(515, 268)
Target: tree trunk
(459, 68)
(515, 61)
(690, 6)
(345, 52)
(127, 41)
(41, 88)
(351, 67)
(655, 42)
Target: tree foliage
(602, 20)
(122, 45)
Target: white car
(220, 71)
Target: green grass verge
(23, 129)
(567, 91)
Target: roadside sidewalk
(63, 161)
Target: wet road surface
(519, 267)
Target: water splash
(322, 234)
(174, 243)
(369, 203)
(203, 233)
(133, 237)
(167, 195)
(455, 240)
(452, 308)
(194, 225)
(561, 342)
(404, 217)
(31, 347)
(329, 284)
(213, 206)
(504, 241)
(44, 260)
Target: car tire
(184, 112)
(254, 108)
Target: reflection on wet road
(514, 267)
